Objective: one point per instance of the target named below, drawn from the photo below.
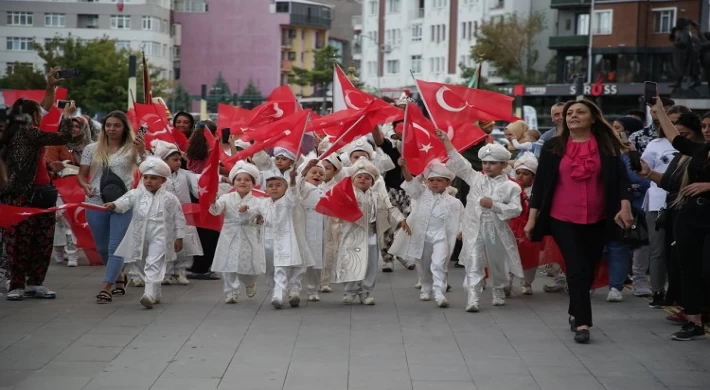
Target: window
(54, 20)
(663, 20)
(292, 56)
(392, 66)
(498, 4)
(282, 7)
(150, 23)
(371, 68)
(19, 44)
(14, 66)
(416, 64)
(165, 50)
(151, 48)
(19, 18)
(582, 24)
(417, 32)
(393, 6)
(121, 45)
(190, 6)
(433, 33)
(373, 7)
(602, 22)
(120, 22)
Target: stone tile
(683, 378)
(9, 378)
(88, 354)
(184, 383)
(452, 372)
(53, 383)
(104, 340)
(84, 369)
(508, 382)
(434, 385)
(631, 381)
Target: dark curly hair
(197, 148)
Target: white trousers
(269, 254)
(313, 279)
(491, 254)
(432, 266)
(152, 267)
(232, 281)
(366, 285)
(287, 280)
(179, 266)
(69, 248)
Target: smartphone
(142, 131)
(62, 103)
(650, 90)
(624, 137)
(635, 160)
(68, 73)
(226, 132)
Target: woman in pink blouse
(581, 197)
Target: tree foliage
(508, 44)
(23, 77)
(322, 73)
(219, 93)
(180, 99)
(251, 91)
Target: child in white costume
(281, 164)
(487, 238)
(359, 243)
(240, 253)
(435, 224)
(181, 183)
(157, 227)
(310, 189)
(283, 242)
(333, 167)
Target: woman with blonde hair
(515, 131)
(110, 162)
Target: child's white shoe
(251, 291)
(326, 289)
(138, 283)
(366, 299)
(294, 299)
(348, 298)
(147, 301)
(231, 298)
(498, 297)
(442, 302)
(277, 303)
(425, 297)
(182, 280)
(418, 285)
(313, 298)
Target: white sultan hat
(494, 153)
(163, 149)
(363, 165)
(361, 144)
(306, 159)
(526, 161)
(154, 166)
(283, 152)
(273, 174)
(404, 98)
(244, 167)
(335, 160)
(437, 169)
(241, 144)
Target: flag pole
(416, 83)
(341, 136)
(300, 143)
(404, 128)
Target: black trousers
(581, 247)
(208, 239)
(673, 293)
(692, 233)
(462, 193)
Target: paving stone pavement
(194, 341)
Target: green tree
(179, 99)
(251, 91)
(219, 93)
(23, 77)
(321, 75)
(508, 44)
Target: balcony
(568, 42)
(357, 22)
(286, 43)
(562, 4)
(310, 21)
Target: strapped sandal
(103, 298)
(122, 289)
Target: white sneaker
(498, 301)
(425, 296)
(313, 298)
(498, 297)
(147, 301)
(72, 262)
(294, 299)
(369, 301)
(472, 308)
(58, 256)
(387, 267)
(231, 298)
(277, 303)
(348, 298)
(442, 302)
(614, 295)
(182, 280)
(251, 291)
(526, 289)
(326, 289)
(138, 283)
(168, 281)
(17, 294)
(418, 285)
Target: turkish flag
(208, 183)
(8, 97)
(285, 94)
(345, 95)
(529, 251)
(275, 128)
(69, 189)
(195, 217)
(12, 215)
(279, 104)
(75, 214)
(232, 117)
(421, 144)
(50, 121)
(340, 202)
(151, 116)
(331, 125)
(451, 105)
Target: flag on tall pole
(476, 78)
(147, 89)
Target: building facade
(342, 29)
(432, 38)
(135, 24)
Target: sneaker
(39, 292)
(348, 298)
(251, 291)
(657, 300)
(231, 298)
(554, 288)
(313, 297)
(498, 301)
(442, 302)
(294, 299)
(277, 303)
(642, 291)
(147, 301)
(326, 289)
(72, 263)
(678, 318)
(526, 289)
(17, 294)
(387, 267)
(472, 308)
(182, 280)
(614, 295)
(138, 283)
(472, 305)
(498, 297)
(425, 297)
(168, 281)
(58, 256)
(369, 301)
(689, 332)
(418, 285)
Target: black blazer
(616, 188)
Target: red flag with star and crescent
(340, 202)
(421, 145)
(152, 116)
(234, 118)
(279, 104)
(346, 95)
(208, 183)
